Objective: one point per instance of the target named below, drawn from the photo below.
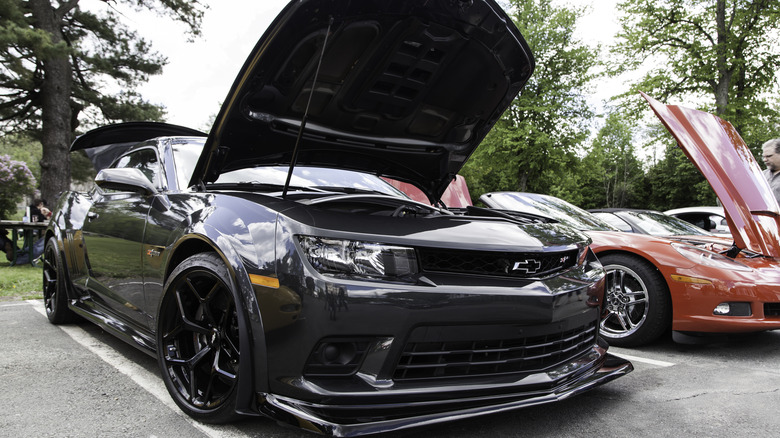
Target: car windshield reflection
(551, 207)
(273, 178)
(658, 224)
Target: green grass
(24, 282)
(20, 282)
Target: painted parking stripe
(13, 304)
(632, 358)
(143, 378)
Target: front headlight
(709, 258)
(359, 259)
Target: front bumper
(694, 304)
(585, 372)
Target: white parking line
(14, 304)
(632, 358)
(143, 378)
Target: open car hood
(721, 155)
(406, 89)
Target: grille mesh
(522, 265)
(448, 359)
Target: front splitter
(299, 414)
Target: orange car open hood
(721, 155)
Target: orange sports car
(691, 284)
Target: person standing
(771, 159)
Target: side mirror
(126, 180)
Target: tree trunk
(522, 181)
(55, 112)
(724, 73)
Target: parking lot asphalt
(76, 380)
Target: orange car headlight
(709, 258)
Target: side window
(146, 161)
(701, 221)
(615, 221)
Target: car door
(113, 237)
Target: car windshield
(659, 224)
(186, 154)
(551, 207)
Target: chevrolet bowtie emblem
(528, 266)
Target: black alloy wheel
(55, 297)
(198, 339)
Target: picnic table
(29, 231)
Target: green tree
(61, 63)
(721, 54)
(611, 174)
(25, 148)
(533, 144)
(673, 181)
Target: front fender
(221, 230)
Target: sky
(199, 74)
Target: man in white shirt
(772, 162)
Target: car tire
(55, 295)
(637, 300)
(198, 339)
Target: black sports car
(271, 271)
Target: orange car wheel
(637, 301)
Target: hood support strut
(294, 157)
(733, 251)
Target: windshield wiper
(514, 216)
(264, 187)
(349, 190)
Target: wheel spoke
(49, 281)
(621, 317)
(49, 288)
(230, 348)
(194, 360)
(188, 323)
(193, 387)
(210, 296)
(226, 374)
(173, 333)
(612, 316)
(620, 281)
(628, 323)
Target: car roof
(703, 209)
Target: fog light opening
(340, 353)
(732, 309)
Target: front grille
(507, 264)
(491, 356)
(771, 309)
